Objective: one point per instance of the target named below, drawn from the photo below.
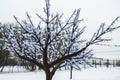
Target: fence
(95, 62)
(105, 62)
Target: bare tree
(3, 53)
(53, 43)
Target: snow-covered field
(103, 73)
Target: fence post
(71, 68)
(107, 63)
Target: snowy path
(87, 74)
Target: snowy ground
(112, 73)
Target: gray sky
(94, 12)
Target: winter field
(103, 73)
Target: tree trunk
(48, 75)
(4, 63)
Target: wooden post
(107, 63)
(71, 72)
(113, 63)
(100, 63)
(95, 64)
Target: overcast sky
(94, 12)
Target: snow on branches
(53, 43)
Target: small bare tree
(53, 43)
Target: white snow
(112, 73)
